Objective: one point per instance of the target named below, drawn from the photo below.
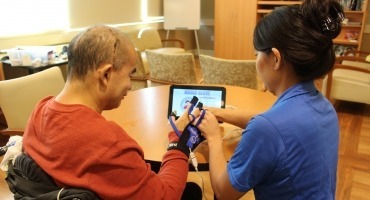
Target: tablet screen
(180, 95)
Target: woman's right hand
(209, 126)
(215, 111)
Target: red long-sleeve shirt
(78, 147)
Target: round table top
(143, 115)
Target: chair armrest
(339, 66)
(11, 132)
(140, 78)
(340, 59)
(2, 77)
(162, 81)
(263, 89)
(357, 53)
(181, 43)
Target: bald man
(72, 142)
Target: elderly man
(71, 141)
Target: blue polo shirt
(290, 151)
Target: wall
(113, 11)
(206, 32)
(84, 13)
(119, 12)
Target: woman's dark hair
(303, 34)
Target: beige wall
(83, 13)
(122, 11)
(206, 31)
(86, 12)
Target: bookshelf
(353, 27)
(350, 37)
(235, 21)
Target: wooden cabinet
(234, 24)
(235, 21)
(264, 6)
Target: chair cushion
(354, 77)
(357, 64)
(349, 86)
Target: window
(24, 17)
(113, 12)
(29, 17)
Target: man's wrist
(179, 146)
(181, 123)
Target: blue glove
(191, 136)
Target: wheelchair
(27, 181)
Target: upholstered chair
(19, 96)
(139, 79)
(357, 53)
(228, 72)
(171, 68)
(349, 80)
(149, 39)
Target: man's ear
(277, 56)
(105, 73)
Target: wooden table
(143, 114)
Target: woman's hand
(209, 126)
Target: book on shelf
(352, 4)
(341, 49)
(354, 23)
(351, 35)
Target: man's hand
(190, 136)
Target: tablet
(180, 95)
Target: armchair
(356, 61)
(229, 72)
(139, 79)
(349, 80)
(357, 53)
(171, 68)
(149, 39)
(19, 96)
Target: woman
(291, 150)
